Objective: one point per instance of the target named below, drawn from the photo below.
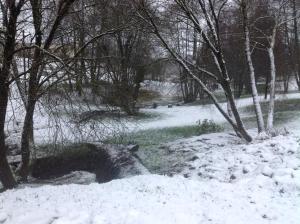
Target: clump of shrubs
(208, 126)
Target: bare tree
(258, 111)
(278, 19)
(36, 72)
(214, 43)
(41, 79)
(295, 10)
(275, 17)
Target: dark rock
(108, 162)
(194, 158)
(170, 105)
(245, 170)
(186, 175)
(133, 148)
(94, 159)
(232, 177)
(163, 147)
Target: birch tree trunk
(270, 120)
(297, 48)
(258, 111)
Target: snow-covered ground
(226, 158)
(62, 127)
(153, 199)
(227, 182)
(189, 115)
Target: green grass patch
(286, 110)
(152, 137)
(280, 106)
(157, 136)
(155, 157)
(62, 150)
(280, 119)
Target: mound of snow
(226, 158)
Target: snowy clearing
(189, 115)
(63, 129)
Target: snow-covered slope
(154, 199)
(267, 193)
(227, 158)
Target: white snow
(227, 180)
(154, 199)
(63, 129)
(250, 197)
(226, 158)
(190, 115)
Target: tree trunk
(258, 111)
(270, 119)
(27, 132)
(229, 110)
(27, 141)
(297, 48)
(225, 82)
(10, 23)
(6, 176)
(267, 86)
(240, 128)
(272, 90)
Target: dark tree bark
(26, 140)
(6, 175)
(10, 16)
